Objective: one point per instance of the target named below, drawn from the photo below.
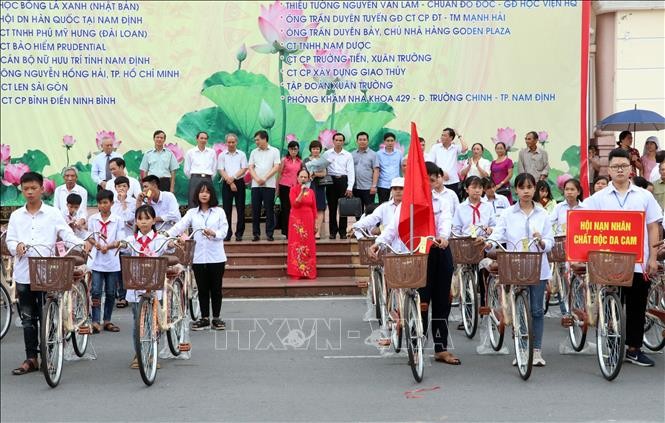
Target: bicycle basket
(51, 273)
(466, 250)
(143, 273)
(558, 253)
(608, 268)
(363, 249)
(185, 254)
(405, 270)
(519, 268)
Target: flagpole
(411, 225)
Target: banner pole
(411, 226)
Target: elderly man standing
(444, 154)
(200, 164)
(366, 166)
(160, 162)
(232, 167)
(533, 159)
(101, 170)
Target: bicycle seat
(493, 268)
(578, 268)
(78, 260)
(79, 271)
(172, 260)
(491, 254)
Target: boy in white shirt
(124, 208)
(106, 264)
(73, 215)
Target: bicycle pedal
(185, 346)
(484, 311)
(567, 321)
(362, 284)
(84, 330)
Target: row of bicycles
(167, 293)
(589, 294)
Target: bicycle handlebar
(387, 246)
(125, 244)
(496, 243)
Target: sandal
(28, 366)
(447, 357)
(110, 327)
(122, 303)
(96, 328)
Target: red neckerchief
(104, 228)
(145, 242)
(476, 212)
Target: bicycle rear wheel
(564, 286)
(577, 331)
(523, 333)
(494, 319)
(414, 337)
(176, 317)
(611, 335)
(378, 296)
(654, 328)
(469, 301)
(145, 341)
(395, 321)
(5, 311)
(51, 342)
(194, 307)
(80, 314)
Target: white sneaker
(538, 360)
(514, 362)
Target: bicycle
(508, 301)
(404, 273)
(654, 326)
(8, 296)
(185, 254)
(595, 301)
(376, 289)
(467, 252)
(151, 274)
(65, 313)
(561, 280)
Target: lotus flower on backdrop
(68, 142)
(542, 137)
(460, 165)
(107, 134)
(13, 173)
(176, 150)
(329, 64)
(291, 137)
(562, 179)
(505, 135)
(326, 138)
(48, 186)
(5, 154)
(241, 55)
(219, 148)
(266, 116)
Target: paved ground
(313, 360)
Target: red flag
(417, 193)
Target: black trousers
(263, 196)
(228, 197)
(194, 182)
(209, 281)
(384, 194)
(333, 193)
(437, 294)
(365, 197)
(30, 307)
(635, 299)
(455, 187)
(165, 184)
(284, 209)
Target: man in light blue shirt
(390, 162)
(160, 162)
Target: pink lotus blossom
(5, 153)
(13, 173)
(107, 134)
(68, 141)
(326, 68)
(542, 137)
(48, 186)
(326, 138)
(291, 137)
(562, 179)
(505, 135)
(176, 150)
(219, 148)
(274, 21)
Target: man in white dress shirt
(383, 214)
(263, 166)
(342, 170)
(232, 167)
(164, 203)
(117, 166)
(200, 164)
(60, 194)
(444, 154)
(101, 171)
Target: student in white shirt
(232, 167)
(263, 166)
(572, 196)
(523, 222)
(36, 223)
(117, 166)
(123, 208)
(106, 264)
(384, 213)
(200, 164)
(622, 195)
(73, 216)
(164, 202)
(343, 172)
(70, 186)
(440, 190)
(473, 212)
(209, 257)
(499, 202)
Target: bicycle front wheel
(611, 335)
(564, 286)
(577, 332)
(654, 327)
(80, 315)
(469, 301)
(395, 321)
(414, 337)
(194, 307)
(145, 341)
(523, 334)
(5, 311)
(495, 318)
(176, 317)
(52, 342)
